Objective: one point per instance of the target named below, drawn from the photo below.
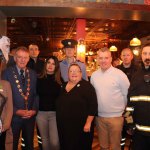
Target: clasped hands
(26, 114)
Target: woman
(6, 108)
(48, 87)
(75, 111)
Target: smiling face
(21, 58)
(104, 59)
(146, 55)
(126, 56)
(74, 73)
(50, 66)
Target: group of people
(58, 97)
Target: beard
(147, 61)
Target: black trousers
(27, 127)
(23, 146)
(2, 140)
(141, 142)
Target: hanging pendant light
(113, 48)
(135, 42)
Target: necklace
(26, 94)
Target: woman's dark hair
(56, 71)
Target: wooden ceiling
(48, 32)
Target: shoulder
(86, 87)
(40, 60)
(120, 66)
(32, 72)
(63, 63)
(95, 73)
(9, 69)
(117, 71)
(80, 63)
(5, 83)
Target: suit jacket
(18, 100)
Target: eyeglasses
(74, 71)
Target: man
(138, 108)
(23, 84)
(70, 49)
(111, 86)
(35, 62)
(127, 66)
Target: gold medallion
(17, 81)
(28, 89)
(18, 86)
(27, 93)
(20, 90)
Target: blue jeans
(46, 122)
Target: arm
(84, 74)
(87, 125)
(9, 108)
(128, 115)
(6, 76)
(35, 96)
(92, 105)
(124, 85)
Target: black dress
(72, 110)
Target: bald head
(126, 56)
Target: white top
(111, 88)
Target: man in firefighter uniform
(138, 109)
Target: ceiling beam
(57, 8)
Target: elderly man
(70, 49)
(23, 84)
(138, 108)
(111, 86)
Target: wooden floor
(95, 145)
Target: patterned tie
(22, 76)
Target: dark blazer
(18, 100)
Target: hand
(31, 113)
(130, 131)
(87, 127)
(25, 113)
